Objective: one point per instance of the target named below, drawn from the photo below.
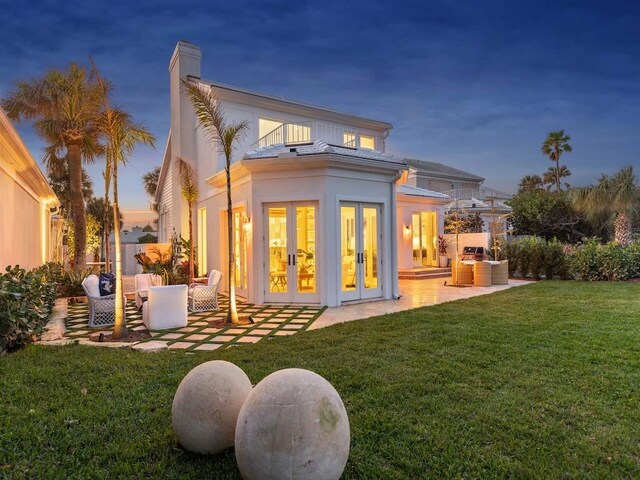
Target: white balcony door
(291, 243)
(360, 241)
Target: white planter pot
(444, 261)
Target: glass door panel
(306, 249)
(277, 248)
(370, 246)
(348, 278)
(415, 239)
(240, 252)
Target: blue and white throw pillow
(107, 284)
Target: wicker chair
(500, 273)
(102, 309)
(205, 297)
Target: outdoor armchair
(205, 297)
(166, 307)
(142, 283)
(102, 309)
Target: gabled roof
(319, 147)
(435, 169)
(284, 104)
(421, 192)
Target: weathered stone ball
(293, 425)
(206, 406)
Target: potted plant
(442, 251)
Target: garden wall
(466, 240)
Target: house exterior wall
(25, 203)
(445, 185)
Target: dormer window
(368, 142)
(349, 139)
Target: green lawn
(541, 381)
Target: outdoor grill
(473, 253)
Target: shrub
(594, 261)
(585, 261)
(555, 264)
(26, 301)
(513, 253)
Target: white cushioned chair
(166, 307)
(205, 297)
(102, 309)
(142, 283)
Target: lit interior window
(349, 139)
(367, 141)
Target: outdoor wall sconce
(407, 231)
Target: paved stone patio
(199, 335)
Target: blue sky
(476, 85)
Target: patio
(276, 320)
(199, 335)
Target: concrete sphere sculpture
(293, 425)
(206, 406)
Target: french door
(424, 231)
(240, 222)
(291, 270)
(360, 242)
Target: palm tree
(150, 182)
(121, 136)
(189, 189)
(60, 182)
(530, 183)
(64, 106)
(211, 119)
(553, 147)
(552, 174)
(616, 196)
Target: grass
(541, 381)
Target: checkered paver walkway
(199, 335)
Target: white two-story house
(314, 195)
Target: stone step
(424, 273)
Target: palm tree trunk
(232, 316)
(191, 245)
(77, 207)
(623, 231)
(105, 227)
(120, 327)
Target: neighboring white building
(26, 204)
(314, 195)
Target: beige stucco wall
(25, 203)
(24, 225)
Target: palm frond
(188, 183)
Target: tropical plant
(210, 116)
(553, 147)
(121, 137)
(530, 183)
(442, 245)
(189, 191)
(615, 197)
(64, 107)
(552, 174)
(104, 213)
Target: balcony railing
(463, 193)
(287, 134)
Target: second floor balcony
(308, 132)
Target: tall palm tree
(553, 147)
(61, 184)
(616, 196)
(64, 106)
(211, 119)
(552, 175)
(529, 183)
(121, 137)
(189, 190)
